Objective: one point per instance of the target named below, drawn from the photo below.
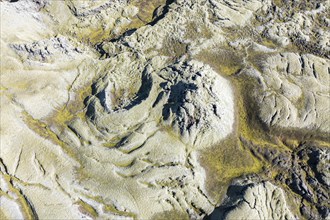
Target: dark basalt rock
(305, 170)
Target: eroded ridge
(151, 109)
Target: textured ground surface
(165, 109)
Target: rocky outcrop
(187, 96)
(248, 199)
(293, 92)
(289, 22)
(47, 51)
(305, 171)
(171, 112)
(199, 104)
(108, 106)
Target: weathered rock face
(148, 109)
(319, 162)
(305, 171)
(47, 51)
(169, 114)
(187, 96)
(293, 22)
(199, 106)
(253, 200)
(293, 92)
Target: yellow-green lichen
(195, 31)
(87, 209)
(173, 214)
(173, 48)
(223, 61)
(226, 161)
(106, 207)
(147, 8)
(24, 204)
